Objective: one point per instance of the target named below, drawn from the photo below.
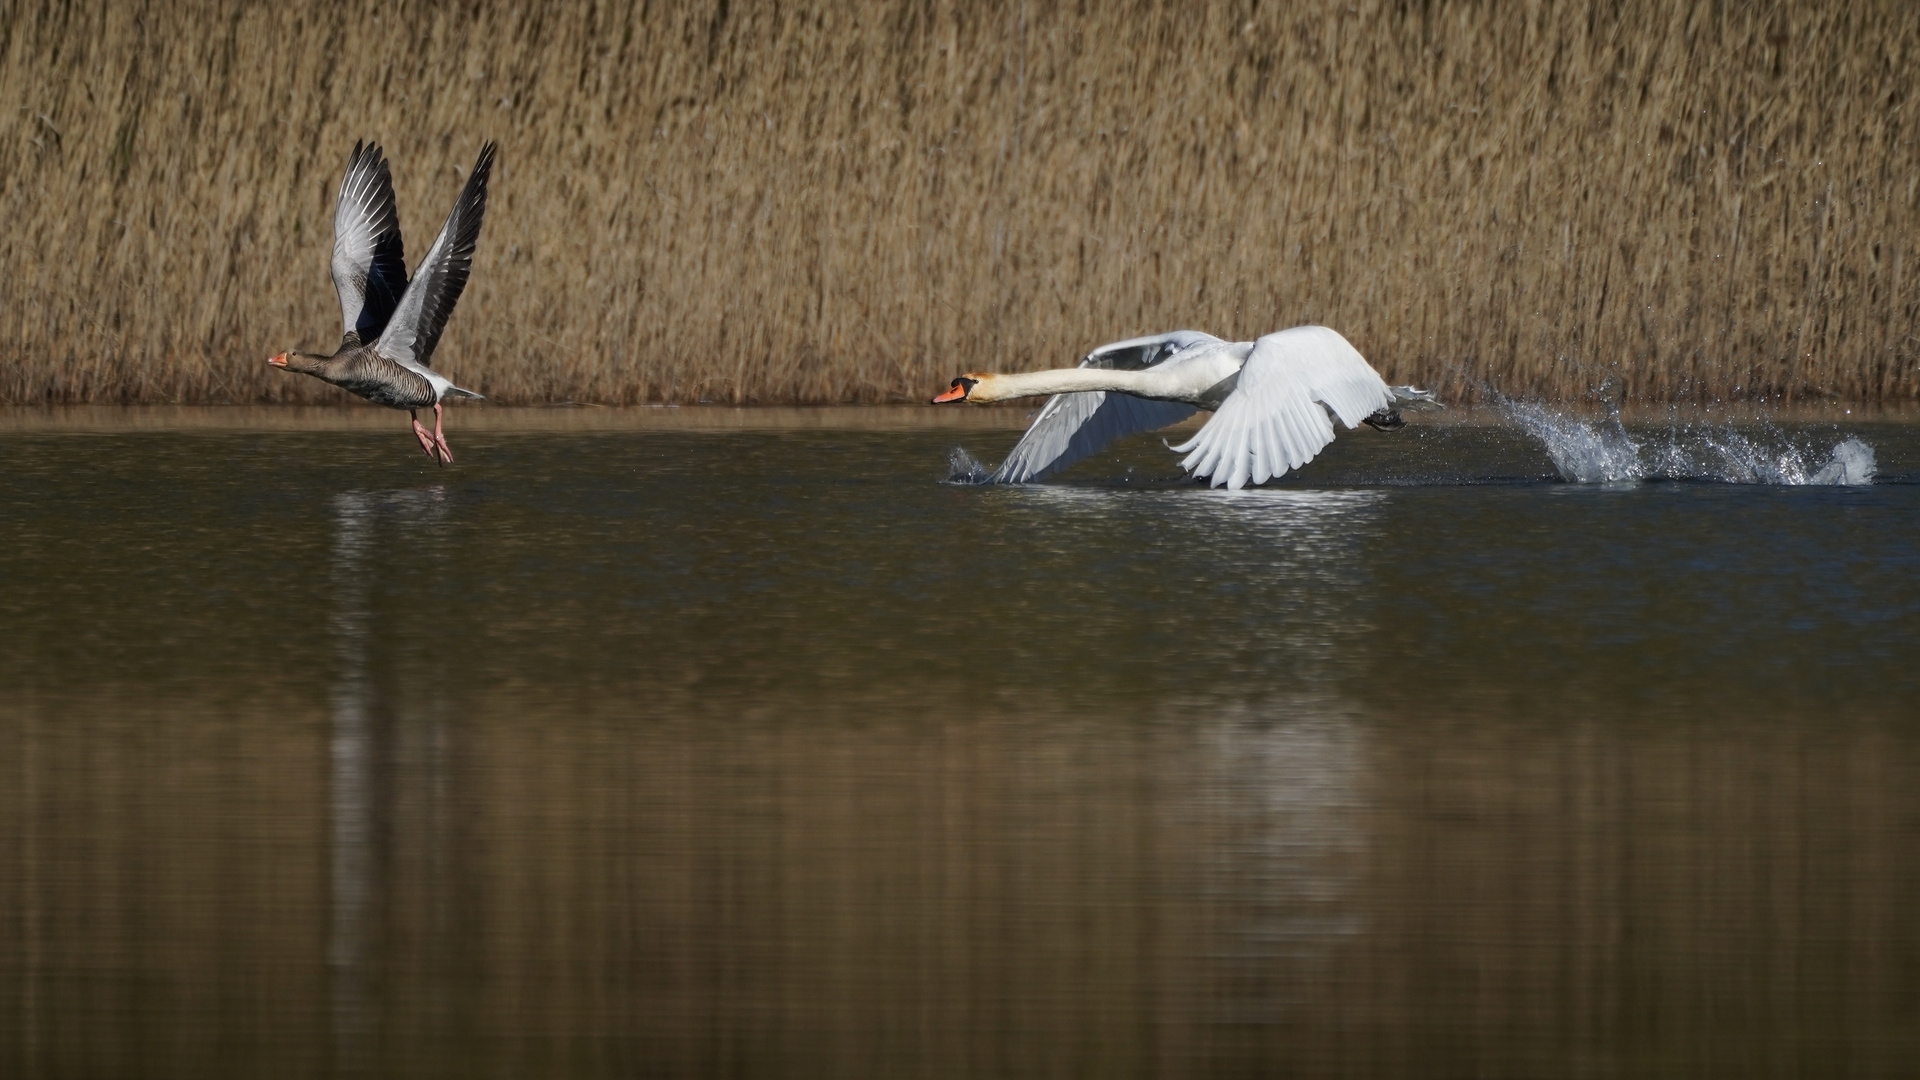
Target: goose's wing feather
(369, 259)
(414, 330)
(1277, 417)
(1073, 427)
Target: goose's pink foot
(426, 440)
(440, 438)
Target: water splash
(1582, 451)
(964, 468)
(1586, 451)
(1852, 463)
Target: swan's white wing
(1274, 420)
(369, 261)
(1138, 354)
(415, 327)
(1073, 427)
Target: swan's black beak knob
(957, 392)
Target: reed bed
(852, 200)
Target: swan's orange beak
(958, 392)
(277, 360)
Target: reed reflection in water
(582, 764)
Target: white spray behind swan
(1589, 451)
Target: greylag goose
(391, 324)
(1273, 401)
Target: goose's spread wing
(1072, 427)
(415, 328)
(369, 260)
(1277, 419)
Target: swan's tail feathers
(454, 391)
(1408, 397)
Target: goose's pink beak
(277, 360)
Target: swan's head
(972, 386)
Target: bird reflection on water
(1285, 789)
(368, 728)
(1299, 551)
(1279, 780)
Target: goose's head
(294, 360)
(973, 386)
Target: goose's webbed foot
(426, 438)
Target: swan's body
(391, 324)
(1274, 401)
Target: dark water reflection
(765, 754)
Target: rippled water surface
(769, 753)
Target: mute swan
(391, 325)
(1273, 402)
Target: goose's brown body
(358, 369)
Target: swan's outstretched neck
(1056, 381)
(1157, 383)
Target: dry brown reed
(852, 200)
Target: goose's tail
(454, 391)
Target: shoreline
(53, 419)
(19, 419)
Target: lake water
(769, 753)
